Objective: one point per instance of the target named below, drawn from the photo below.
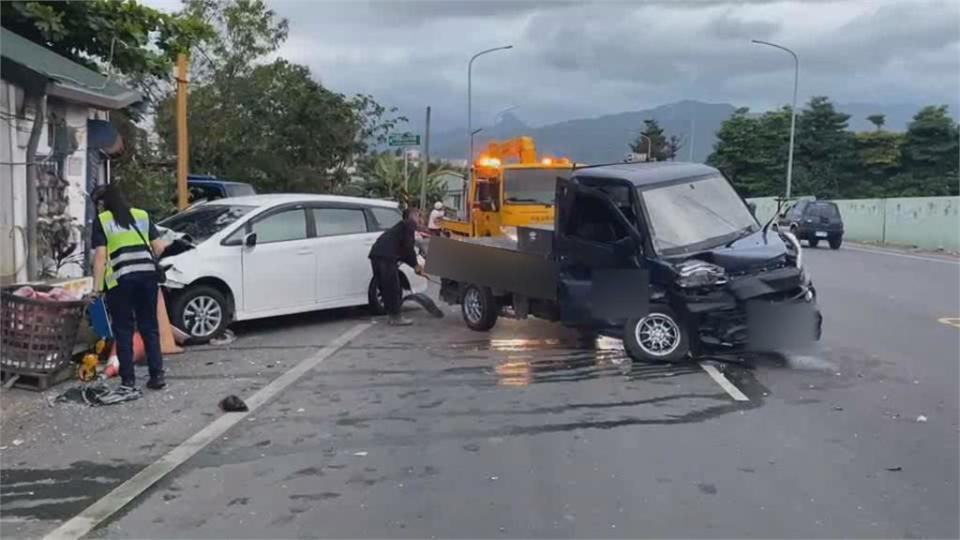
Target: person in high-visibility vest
(125, 240)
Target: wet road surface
(533, 431)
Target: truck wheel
(479, 308)
(656, 337)
(836, 242)
(813, 242)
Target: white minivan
(267, 255)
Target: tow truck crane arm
(520, 148)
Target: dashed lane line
(950, 321)
(724, 383)
(87, 520)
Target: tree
(752, 151)
(268, 123)
(825, 157)
(930, 149)
(879, 155)
(673, 146)
(117, 35)
(384, 179)
(653, 139)
(877, 120)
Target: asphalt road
(529, 431)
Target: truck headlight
(694, 273)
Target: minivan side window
(339, 221)
(282, 227)
(386, 217)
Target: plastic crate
(37, 336)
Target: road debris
(426, 303)
(232, 403)
(226, 338)
(894, 469)
(360, 454)
(17, 442)
(922, 419)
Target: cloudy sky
(582, 58)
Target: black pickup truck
(665, 256)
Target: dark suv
(814, 221)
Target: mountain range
(604, 139)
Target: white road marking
(902, 255)
(93, 515)
(728, 386)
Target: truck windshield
(699, 214)
(531, 186)
(206, 220)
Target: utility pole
(693, 136)
(183, 148)
(425, 165)
(406, 183)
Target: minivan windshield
(202, 222)
(696, 214)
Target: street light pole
(470, 105)
(649, 146)
(793, 107)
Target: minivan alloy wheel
(202, 316)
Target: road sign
(403, 139)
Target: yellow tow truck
(503, 196)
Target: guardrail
(923, 222)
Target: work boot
(397, 320)
(157, 382)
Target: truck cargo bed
(497, 262)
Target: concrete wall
(924, 222)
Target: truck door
(592, 239)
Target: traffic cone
(139, 351)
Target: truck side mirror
(250, 240)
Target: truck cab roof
(649, 174)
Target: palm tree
(384, 179)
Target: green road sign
(403, 139)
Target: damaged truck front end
(759, 299)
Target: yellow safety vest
(126, 251)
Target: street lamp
(649, 146)
(793, 108)
(470, 104)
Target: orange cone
(168, 345)
(139, 351)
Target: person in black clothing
(395, 245)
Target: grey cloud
(729, 27)
(591, 58)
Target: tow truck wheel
(656, 337)
(479, 308)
